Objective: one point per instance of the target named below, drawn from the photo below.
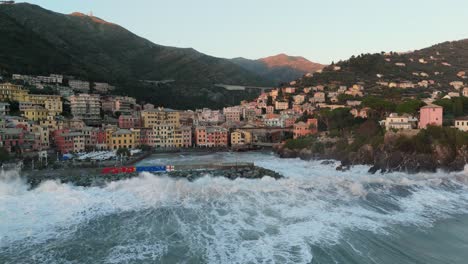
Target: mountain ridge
(279, 68)
(39, 41)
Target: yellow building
(53, 103)
(52, 123)
(12, 92)
(36, 113)
(178, 139)
(163, 135)
(241, 137)
(43, 134)
(136, 135)
(160, 116)
(122, 138)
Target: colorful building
(241, 138)
(11, 92)
(123, 138)
(157, 116)
(129, 121)
(462, 123)
(431, 115)
(232, 114)
(36, 113)
(86, 106)
(53, 103)
(211, 136)
(303, 129)
(11, 138)
(67, 141)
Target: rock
(373, 169)
(457, 165)
(306, 154)
(442, 154)
(287, 153)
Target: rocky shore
(386, 159)
(92, 177)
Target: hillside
(279, 68)
(38, 41)
(428, 69)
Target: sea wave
(217, 220)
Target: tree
(269, 101)
(342, 98)
(380, 105)
(457, 107)
(280, 93)
(4, 155)
(66, 111)
(14, 107)
(123, 152)
(409, 107)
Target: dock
(181, 167)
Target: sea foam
(236, 221)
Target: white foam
(249, 220)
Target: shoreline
(379, 160)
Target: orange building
(303, 129)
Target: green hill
(38, 41)
(440, 64)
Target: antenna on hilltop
(90, 13)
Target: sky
(321, 31)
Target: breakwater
(102, 176)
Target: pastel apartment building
(129, 121)
(80, 86)
(11, 138)
(211, 136)
(36, 113)
(280, 105)
(157, 116)
(67, 141)
(124, 138)
(209, 116)
(430, 115)
(4, 108)
(303, 129)
(12, 92)
(241, 138)
(86, 106)
(53, 103)
(461, 123)
(232, 114)
(395, 121)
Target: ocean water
(315, 215)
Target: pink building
(211, 136)
(270, 109)
(302, 129)
(11, 138)
(430, 115)
(129, 121)
(147, 137)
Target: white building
(232, 114)
(403, 122)
(462, 123)
(86, 106)
(465, 91)
(299, 99)
(80, 86)
(279, 105)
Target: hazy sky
(321, 31)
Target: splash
(224, 221)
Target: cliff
(397, 152)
